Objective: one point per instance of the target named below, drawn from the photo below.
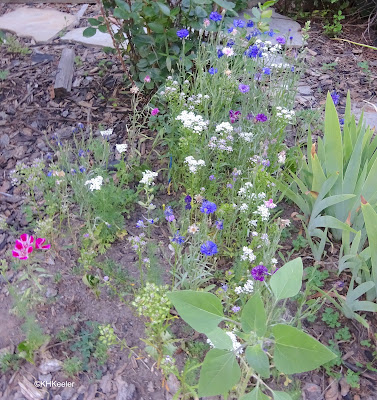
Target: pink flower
(270, 204)
(39, 244)
(23, 247)
(147, 78)
(155, 111)
(206, 22)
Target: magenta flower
(39, 244)
(259, 272)
(261, 118)
(234, 115)
(147, 78)
(155, 111)
(23, 247)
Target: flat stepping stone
(98, 40)
(40, 24)
(370, 113)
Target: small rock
(65, 113)
(57, 397)
(305, 90)
(44, 378)
(173, 385)
(91, 393)
(67, 393)
(125, 391)
(51, 292)
(4, 140)
(312, 392)
(48, 366)
(150, 387)
(7, 350)
(105, 383)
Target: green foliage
(9, 362)
(343, 334)
(299, 243)
(334, 27)
(14, 46)
(221, 372)
(331, 317)
(4, 74)
(353, 379)
(72, 366)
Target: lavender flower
(259, 272)
(169, 215)
(335, 97)
(140, 224)
(250, 23)
(213, 71)
(212, 177)
(235, 309)
(243, 88)
(267, 71)
(271, 33)
(219, 224)
(280, 40)
(208, 207)
(219, 53)
(183, 33)
(224, 287)
(177, 238)
(82, 169)
(261, 118)
(238, 23)
(215, 16)
(209, 248)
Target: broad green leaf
(220, 339)
(329, 222)
(102, 28)
(219, 373)
(364, 306)
(156, 27)
(164, 8)
(297, 352)
(89, 32)
(287, 280)
(94, 21)
(202, 311)
(354, 294)
(224, 4)
(255, 394)
(258, 360)
(281, 395)
(253, 317)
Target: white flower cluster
(121, 148)
(237, 347)
(248, 287)
(148, 178)
(191, 121)
(95, 183)
(224, 128)
(194, 164)
(285, 114)
(106, 133)
(221, 143)
(281, 65)
(248, 254)
(267, 46)
(245, 190)
(171, 86)
(263, 211)
(281, 157)
(246, 136)
(197, 99)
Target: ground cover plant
(203, 211)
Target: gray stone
(67, 393)
(125, 391)
(45, 378)
(370, 113)
(305, 90)
(312, 392)
(99, 39)
(42, 24)
(48, 366)
(4, 140)
(51, 292)
(106, 383)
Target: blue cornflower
(208, 248)
(215, 16)
(271, 33)
(290, 38)
(335, 97)
(140, 224)
(252, 51)
(183, 33)
(152, 221)
(292, 69)
(248, 37)
(230, 43)
(280, 40)
(238, 23)
(219, 224)
(256, 32)
(266, 71)
(341, 121)
(219, 53)
(243, 88)
(213, 71)
(82, 169)
(250, 23)
(230, 30)
(80, 125)
(208, 207)
(169, 215)
(177, 238)
(81, 153)
(73, 171)
(49, 173)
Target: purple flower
(81, 153)
(169, 215)
(224, 287)
(292, 69)
(335, 97)
(215, 16)
(261, 118)
(213, 71)
(250, 23)
(339, 285)
(188, 199)
(82, 169)
(253, 51)
(243, 88)
(212, 177)
(177, 238)
(208, 248)
(219, 224)
(271, 33)
(238, 23)
(151, 220)
(235, 309)
(280, 40)
(183, 33)
(219, 53)
(49, 173)
(208, 207)
(258, 76)
(106, 278)
(234, 115)
(229, 185)
(256, 32)
(266, 163)
(259, 272)
(140, 224)
(266, 71)
(80, 125)
(86, 235)
(230, 30)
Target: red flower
(23, 247)
(39, 244)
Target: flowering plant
(26, 245)
(255, 338)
